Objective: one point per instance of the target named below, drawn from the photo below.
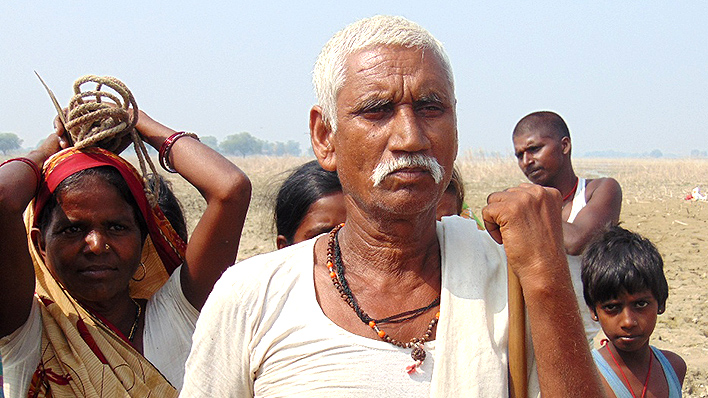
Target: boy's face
(628, 320)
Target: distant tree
(293, 148)
(9, 142)
(655, 154)
(695, 153)
(241, 144)
(277, 148)
(210, 141)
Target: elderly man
(393, 304)
(542, 146)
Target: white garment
(169, 323)
(574, 263)
(262, 332)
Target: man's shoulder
(251, 273)
(462, 235)
(605, 185)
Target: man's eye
(610, 307)
(641, 304)
(376, 112)
(430, 110)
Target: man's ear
(281, 242)
(566, 145)
(321, 137)
(38, 241)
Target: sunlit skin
(90, 216)
(542, 157)
(322, 216)
(628, 322)
(396, 100)
(447, 206)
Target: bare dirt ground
(653, 206)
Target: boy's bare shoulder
(677, 363)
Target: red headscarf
(168, 244)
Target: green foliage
(9, 142)
(244, 144)
(210, 141)
(241, 144)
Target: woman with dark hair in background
(309, 203)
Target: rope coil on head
(106, 120)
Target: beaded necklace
(334, 258)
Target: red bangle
(33, 165)
(167, 146)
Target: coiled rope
(100, 123)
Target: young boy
(625, 288)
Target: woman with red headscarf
(100, 295)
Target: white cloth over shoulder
(169, 323)
(574, 264)
(472, 335)
(262, 332)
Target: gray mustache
(389, 166)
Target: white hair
(380, 30)
(407, 160)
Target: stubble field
(653, 205)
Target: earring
(108, 247)
(144, 273)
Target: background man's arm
(602, 209)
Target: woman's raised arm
(19, 180)
(227, 190)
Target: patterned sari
(83, 354)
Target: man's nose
(409, 134)
(526, 159)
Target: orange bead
(382, 334)
(437, 316)
(372, 324)
(332, 275)
(329, 264)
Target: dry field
(653, 206)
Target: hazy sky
(629, 76)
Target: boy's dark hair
(622, 260)
(299, 191)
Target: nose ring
(108, 247)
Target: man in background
(542, 147)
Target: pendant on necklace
(418, 355)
